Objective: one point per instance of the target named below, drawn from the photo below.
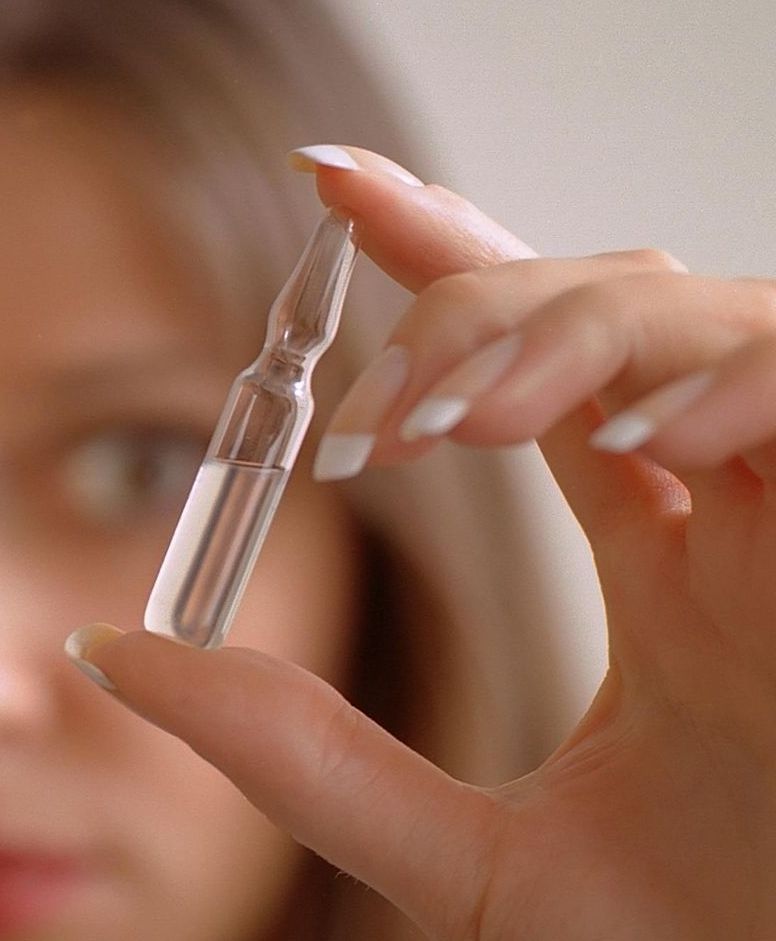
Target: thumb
(316, 766)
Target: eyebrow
(100, 388)
(100, 371)
(158, 381)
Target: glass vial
(239, 485)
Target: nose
(31, 673)
(26, 700)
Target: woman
(149, 218)
(652, 818)
(648, 820)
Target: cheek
(178, 830)
(182, 855)
(302, 602)
(175, 826)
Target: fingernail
(345, 448)
(451, 399)
(635, 426)
(341, 456)
(434, 416)
(306, 159)
(82, 642)
(625, 432)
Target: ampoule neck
(279, 366)
(305, 315)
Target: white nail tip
(93, 673)
(434, 416)
(623, 433)
(91, 635)
(327, 155)
(340, 456)
(84, 639)
(634, 427)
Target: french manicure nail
(306, 159)
(82, 641)
(452, 398)
(625, 432)
(635, 426)
(434, 416)
(340, 456)
(345, 448)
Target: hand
(655, 818)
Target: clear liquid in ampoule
(213, 550)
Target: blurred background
(598, 125)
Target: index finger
(414, 232)
(419, 234)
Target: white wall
(587, 126)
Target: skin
(654, 819)
(110, 337)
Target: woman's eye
(115, 476)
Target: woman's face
(114, 363)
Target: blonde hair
(466, 604)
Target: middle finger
(452, 319)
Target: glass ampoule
(249, 459)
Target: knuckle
(599, 315)
(760, 301)
(339, 732)
(768, 301)
(441, 193)
(655, 258)
(614, 297)
(533, 276)
(455, 309)
(454, 290)
(599, 298)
